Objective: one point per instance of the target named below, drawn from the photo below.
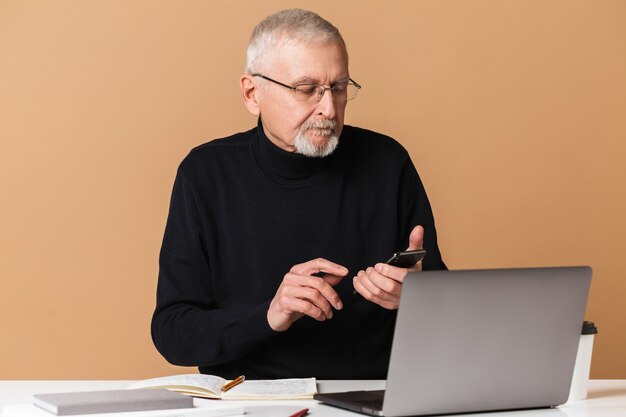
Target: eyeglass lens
(315, 92)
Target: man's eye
(340, 88)
(306, 89)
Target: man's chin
(320, 141)
(318, 146)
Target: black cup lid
(589, 328)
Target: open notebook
(210, 386)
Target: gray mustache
(320, 125)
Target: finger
(417, 266)
(307, 295)
(300, 306)
(386, 287)
(333, 280)
(361, 286)
(416, 238)
(376, 294)
(319, 265)
(354, 281)
(390, 271)
(321, 290)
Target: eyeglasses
(313, 93)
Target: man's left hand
(382, 283)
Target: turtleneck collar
(288, 168)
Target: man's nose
(326, 105)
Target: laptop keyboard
(373, 403)
(370, 399)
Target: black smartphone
(406, 259)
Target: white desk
(607, 398)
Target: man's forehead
(310, 61)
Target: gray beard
(304, 146)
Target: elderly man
(271, 258)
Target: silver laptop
(481, 340)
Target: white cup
(580, 379)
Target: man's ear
(249, 94)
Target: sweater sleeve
(188, 327)
(415, 210)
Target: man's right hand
(301, 293)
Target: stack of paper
(119, 403)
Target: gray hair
(288, 24)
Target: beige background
(513, 111)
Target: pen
(234, 382)
(300, 413)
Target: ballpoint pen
(300, 413)
(234, 382)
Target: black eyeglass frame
(320, 95)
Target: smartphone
(406, 259)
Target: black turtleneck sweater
(243, 212)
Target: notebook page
(274, 388)
(210, 383)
